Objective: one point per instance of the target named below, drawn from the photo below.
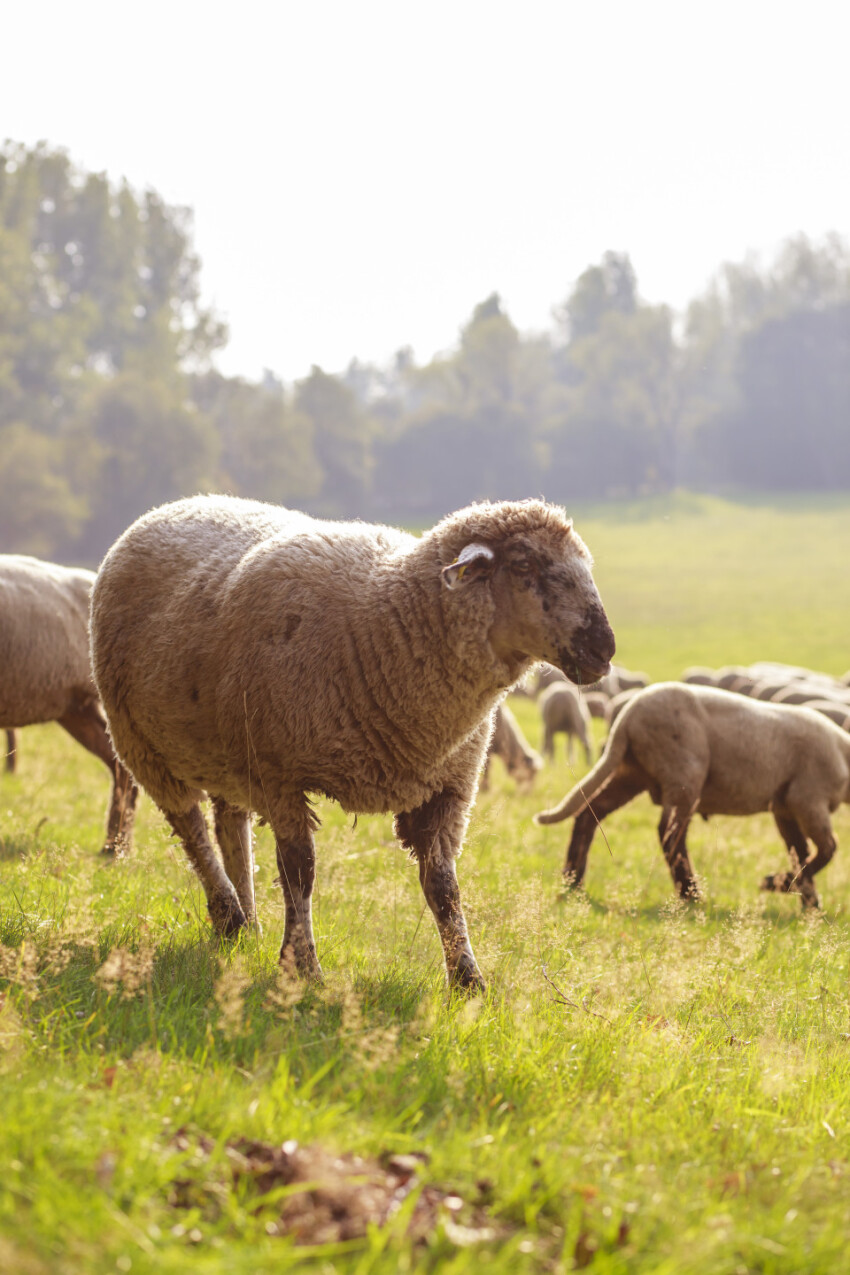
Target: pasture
(647, 1086)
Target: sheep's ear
(473, 562)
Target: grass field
(646, 1087)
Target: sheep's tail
(593, 783)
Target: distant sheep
(835, 711)
(701, 750)
(262, 656)
(512, 748)
(45, 670)
(564, 713)
(619, 702)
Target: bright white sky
(363, 172)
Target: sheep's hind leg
(798, 852)
(11, 752)
(672, 831)
(296, 863)
(620, 790)
(86, 724)
(233, 833)
(434, 832)
(222, 901)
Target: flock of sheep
(259, 657)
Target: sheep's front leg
(296, 863)
(233, 833)
(434, 832)
(10, 752)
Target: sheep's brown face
(546, 606)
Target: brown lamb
(261, 656)
(700, 750)
(45, 670)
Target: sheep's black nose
(597, 637)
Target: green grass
(676, 1102)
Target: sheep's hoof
(777, 883)
(302, 961)
(227, 916)
(571, 880)
(466, 977)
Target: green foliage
(109, 403)
(647, 1087)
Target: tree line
(110, 401)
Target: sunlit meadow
(647, 1086)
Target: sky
(363, 174)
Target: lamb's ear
(473, 562)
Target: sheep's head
(546, 606)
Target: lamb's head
(536, 571)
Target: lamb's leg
(588, 751)
(798, 852)
(222, 901)
(86, 724)
(434, 832)
(672, 831)
(233, 833)
(548, 748)
(623, 786)
(571, 749)
(296, 862)
(11, 752)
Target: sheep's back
(221, 639)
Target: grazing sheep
(619, 702)
(805, 692)
(563, 712)
(596, 704)
(702, 750)
(835, 711)
(699, 675)
(546, 675)
(261, 656)
(508, 743)
(11, 752)
(45, 670)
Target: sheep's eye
(521, 566)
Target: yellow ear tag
(461, 570)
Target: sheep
(563, 711)
(45, 670)
(260, 656)
(619, 702)
(834, 710)
(596, 704)
(700, 749)
(508, 742)
(805, 692)
(11, 753)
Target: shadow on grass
(694, 912)
(190, 999)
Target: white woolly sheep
(45, 669)
(516, 754)
(563, 712)
(259, 655)
(697, 749)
